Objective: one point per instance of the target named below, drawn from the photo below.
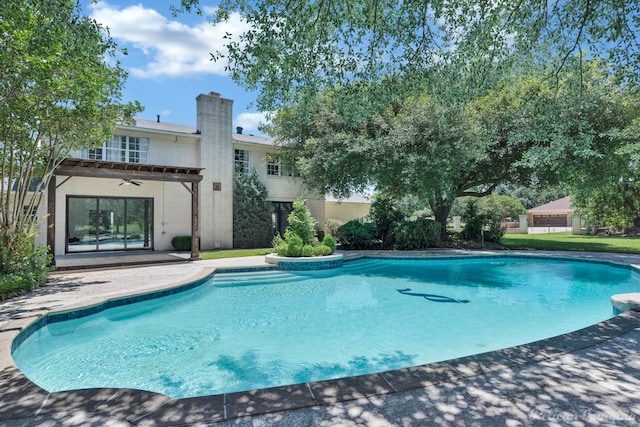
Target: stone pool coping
(23, 399)
(305, 263)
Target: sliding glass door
(109, 223)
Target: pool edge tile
(263, 401)
(76, 400)
(350, 388)
(133, 404)
(415, 377)
(478, 364)
(187, 411)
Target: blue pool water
(241, 331)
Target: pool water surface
(241, 331)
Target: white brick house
(140, 189)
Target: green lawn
(234, 253)
(570, 242)
(551, 242)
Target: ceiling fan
(129, 181)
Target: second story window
(242, 161)
(121, 148)
(275, 167)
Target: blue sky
(168, 60)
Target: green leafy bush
(293, 245)
(302, 223)
(355, 235)
(329, 242)
(25, 268)
(322, 250)
(475, 223)
(495, 231)
(181, 243)
(280, 245)
(386, 217)
(419, 234)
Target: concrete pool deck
(587, 377)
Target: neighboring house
(356, 206)
(157, 180)
(555, 216)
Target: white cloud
(172, 48)
(251, 120)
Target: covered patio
(128, 173)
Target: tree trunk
(441, 213)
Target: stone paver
(588, 377)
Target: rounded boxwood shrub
(330, 242)
(307, 250)
(294, 243)
(181, 243)
(322, 250)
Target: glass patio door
(109, 223)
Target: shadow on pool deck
(587, 377)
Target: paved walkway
(589, 377)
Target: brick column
(215, 116)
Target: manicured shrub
(419, 234)
(322, 250)
(181, 243)
(280, 245)
(307, 250)
(355, 235)
(329, 242)
(294, 243)
(302, 223)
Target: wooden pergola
(126, 171)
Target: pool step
(239, 279)
(363, 266)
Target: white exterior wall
(212, 148)
(346, 211)
(173, 151)
(217, 159)
(282, 188)
(165, 148)
(171, 207)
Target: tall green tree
(252, 222)
(60, 89)
(362, 59)
(605, 183)
(301, 223)
(302, 46)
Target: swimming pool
(253, 330)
